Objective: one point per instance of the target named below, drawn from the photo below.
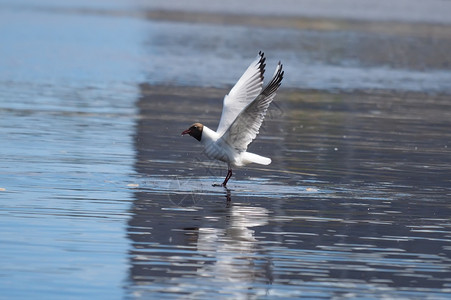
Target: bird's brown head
(195, 131)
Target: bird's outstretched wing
(245, 127)
(245, 90)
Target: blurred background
(101, 197)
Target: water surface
(100, 196)
(355, 202)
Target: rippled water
(352, 205)
(100, 196)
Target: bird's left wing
(243, 92)
(247, 124)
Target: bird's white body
(217, 148)
(244, 109)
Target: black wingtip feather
(262, 64)
(275, 81)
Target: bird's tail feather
(248, 158)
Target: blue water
(66, 117)
(100, 197)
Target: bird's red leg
(229, 174)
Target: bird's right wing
(246, 126)
(244, 92)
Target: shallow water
(100, 196)
(352, 204)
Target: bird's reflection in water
(235, 246)
(226, 249)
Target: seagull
(244, 109)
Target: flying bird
(244, 109)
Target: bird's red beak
(186, 132)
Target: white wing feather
(245, 127)
(244, 92)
